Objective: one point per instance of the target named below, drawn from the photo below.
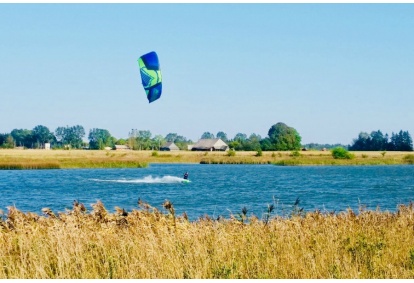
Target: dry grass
(148, 243)
(45, 159)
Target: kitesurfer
(186, 176)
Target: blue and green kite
(149, 67)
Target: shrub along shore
(55, 159)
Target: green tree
(252, 143)
(363, 142)
(171, 137)
(23, 137)
(70, 136)
(222, 136)
(207, 135)
(240, 137)
(144, 139)
(401, 142)
(132, 139)
(99, 139)
(266, 144)
(121, 142)
(3, 138)
(42, 135)
(378, 141)
(6, 141)
(284, 137)
(158, 141)
(235, 145)
(182, 142)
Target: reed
(28, 165)
(151, 243)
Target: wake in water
(147, 180)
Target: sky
(330, 71)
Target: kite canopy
(149, 67)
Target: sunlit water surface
(215, 190)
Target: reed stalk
(148, 243)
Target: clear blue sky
(328, 70)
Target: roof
(170, 145)
(209, 143)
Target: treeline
(280, 137)
(377, 141)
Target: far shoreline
(65, 159)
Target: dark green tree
(401, 142)
(378, 141)
(100, 138)
(284, 137)
(6, 141)
(3, 138)
(363, 142)
(23, 137)
(42, 135)
(407, 141)
(266, 144)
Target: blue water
(215, 190)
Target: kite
(149, 67)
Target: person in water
(186, 176)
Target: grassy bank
(54, 159)
(148, 243)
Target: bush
(409, 158)
(259, 152)
(295, 153)
(231, 152)
(341, 153)
(155, 153)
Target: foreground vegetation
(149, 243)
(55, 159)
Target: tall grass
(152, 243)
(28, 165)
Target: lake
(215, 190)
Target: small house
(210, 145)
(121, 147)
(169, 146)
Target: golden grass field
(148, 243)
(45, 159)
